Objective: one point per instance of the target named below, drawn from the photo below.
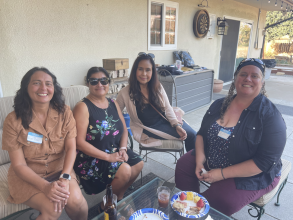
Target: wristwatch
(65, 176)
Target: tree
(282, 29)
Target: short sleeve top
(45, 158)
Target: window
(162, 25)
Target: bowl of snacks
(147, 214)
(190, 204)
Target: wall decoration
(201, 23)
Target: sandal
(127, 211)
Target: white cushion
(73, 94)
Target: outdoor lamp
(222, 26)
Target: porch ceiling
(265, 5)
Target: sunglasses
(252, 59)
(140, 54)
(94, 81)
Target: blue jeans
(165, 126)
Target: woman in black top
(143, 98)
(102, 156)
(240, 143)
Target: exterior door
(243, 42)
(228, 52)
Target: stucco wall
(70, 36)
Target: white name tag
(35, 138)
(224, 133)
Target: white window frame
(165, 4)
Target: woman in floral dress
(102, 156)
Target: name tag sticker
(224, 133)
(35, 138)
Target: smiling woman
(240, 143)
(37, 135)
(41, 88)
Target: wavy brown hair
(23, 103)
(154, 86)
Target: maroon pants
(221, 195)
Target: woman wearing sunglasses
(240, 143)
(148, 106)
(40, 138)
(102, 155)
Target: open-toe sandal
(127, 211)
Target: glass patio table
(146, 197)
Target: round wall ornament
(201, 23)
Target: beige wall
(70, 36)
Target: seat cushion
(267, 197)
(73, 94)
(4, 156)
(7, 208)
(167, 145)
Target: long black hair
(153, 85)
(23, 103)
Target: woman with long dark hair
(103, 157)
(39, 136)
(240, 143)
(151, 117)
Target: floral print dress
(104, 132)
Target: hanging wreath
(201, 23)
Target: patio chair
(259, 205)
(167, 146)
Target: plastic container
(178, 64)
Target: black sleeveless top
(104, 132)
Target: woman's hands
(198, 171)
(55, 193)
(59, 206)
(213, 176)
(115, 157)
(58, 193)
(124, 155)
(181, 132)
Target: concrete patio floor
(280, 91)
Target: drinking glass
(163, 196)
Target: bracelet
(222, 173)
(123, 148)
(177, 125)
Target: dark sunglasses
(94, 81)
(252, 59)
(140, 54)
